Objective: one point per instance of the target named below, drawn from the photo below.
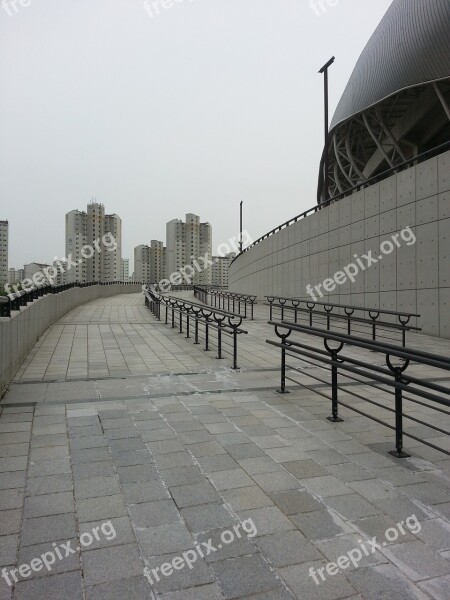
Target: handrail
(222, 296)
(420, 157)
(392, 376)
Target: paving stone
(229, 479)
(417, 560)
(182, 475)
(227, 543)
(425, 492)
(260, 464)
(289, 548)
(386, 580)
(278, 481)
(93, 470)
(206, 516)
(197, 493)
(239, 451)
(152, 514)
(15, 463)
(137, 473)
(145, 491)
(12, 450)
(320, 525)
(326, 486)
(435, 533)
(302, 584)
(379, 524)
(120, 434)
(328, 457)
(303, 469)
(200, 574)
(157, 435)
(246, 498)
(109, 564)
(206, 449)
(239, 577)
(295, 501)
(47, 529)
(66, 585)
(203, 592)
(165, 539)
(135, 457)
(136, 588)
(8, 549)
(100, 508)
(49, 453)
(438, 588)
(267, 520)
(126, 445)
(113, 532)
(49, 467)
(349, 472)
(10, 521)
(351, 506)
(68, 563)
(400, 509)
(15, 479)
(165, 446)
(89, 455)
(219, 462)
(286, 454)
(49, 504)
(96, 487)
(174, 459)
(341, 545)
(10, 499)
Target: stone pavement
(115, 417)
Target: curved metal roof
(409, 47)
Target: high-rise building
(186, 243)
(125, 270)
(142, 264)
(89, 243)
(220, 268)
(3, 252)
(149, 262)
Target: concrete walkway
(116, 417)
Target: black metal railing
(363, 184)
(242, 304)
(392, 380)
(199, 321)
(342, 316)
(21, 298)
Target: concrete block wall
(414, 278)
(19, 333)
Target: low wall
(19, 333)
(415, 278)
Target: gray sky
(156, 115)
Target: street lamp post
(324, 70)
(240, 236)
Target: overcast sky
(193, 109)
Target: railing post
(283, 389)
(334, 391)
(398, 452)
(219, 342)
(196, 330)
(235, 348)
(206, 336)
(173, 317)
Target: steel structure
(396, 104)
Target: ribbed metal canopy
(411, 46)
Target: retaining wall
(415, 278)
(19, 333)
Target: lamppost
(324, 70)
(240, 236)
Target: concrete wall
(414, 278)
(19, 333)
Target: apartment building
(186, 243)
(220, 268)
(3, 252)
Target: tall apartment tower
(186, 242)
(125, 270)
(84, 234)
(3, 252)
(149, 262)
(142, 264)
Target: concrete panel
(444, 253)
(388, 194)
(357, 232)
(428, 308)
(372, 227)
(314, 224)
(427, 247)
(372, 200)
(427, 210)
(388, 222)
(406, 187)
(444, 312)
(333, 218)
(444, 172)
(345, 235)
(372, 272)
(406, 216)
(357, 206)
(345, 211)
(333, 239)
(323, 221)
(323, 242)
(406, 266)
(444, 205)
(388, 271)
(427, 179)
(357, 286)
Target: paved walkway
(117, 418)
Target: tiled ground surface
(173, 460)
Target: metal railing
(231, 301)
(19, 299)
(200, 321)
(375, 179)
(346, 319)
(392, 380)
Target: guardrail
(312, 310)
(390, 380)
(375, 179)
(16, 300)
(231, 301)
(204, 320)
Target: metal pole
(240, 237)
(324, 70)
